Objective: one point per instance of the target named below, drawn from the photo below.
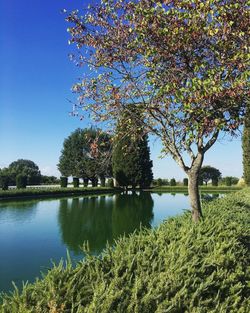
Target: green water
(35, 232)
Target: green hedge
(178, 267)
(76, 182)
(64, 181)
(37, 192)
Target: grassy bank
(202, 189)
(53, 192)
(178, 267)
(70, 191)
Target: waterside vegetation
(53, 192)
(179, 267)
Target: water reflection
(101, 219)
(209, 197)
(131, 211)
(17, 211)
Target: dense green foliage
(178, 267)
(229, 180)
(185, 182)
(48, 180)
(4, 179)
(131, 155)
(102, 181)
(172, 182)
(52, 192)
(8, 175)
(110, 183)
(27, 168)
(246, 146)
(159, 182)
(63, 181)
(76, 182)
(86, 154)
(21, 181)
(215, 181)
(208, 173)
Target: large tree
(184, 64)
(86, 154)
(208, 173)
(131, 155)
(26, 168)
(246, 147)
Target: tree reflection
(102, 218)
(209, 197)
(131, 211)
(18, 210)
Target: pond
(35, 232)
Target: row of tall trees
(93, 155)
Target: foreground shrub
(21, 181)
(178, 267)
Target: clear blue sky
(35, 80)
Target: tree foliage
(229, 180)
(26, 168)
(208, 173)
(131, 155)
(21, 181)
(4, 179)
(86, 154)
(184, 64)
(246, 147)
(49, 180)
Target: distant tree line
(207, 174)
(23, 172)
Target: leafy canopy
(131, 154)
(184, 63)
(208, 173)
(86, 153)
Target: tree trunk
(193, 190)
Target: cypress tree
(246, 146)
(131, 155)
